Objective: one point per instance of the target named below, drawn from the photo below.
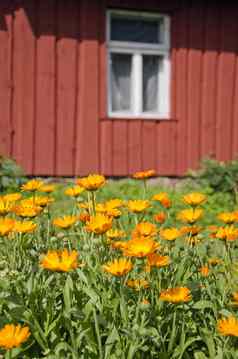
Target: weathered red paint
(53, 89)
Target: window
(138, 64)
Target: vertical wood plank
(24, 77)
(134, 146)
(120, 148)
(87, 151)
(235, 115)
(209, 84)
(196, 29)
(106, 147)
(44, 162)
(166, 148)
(66, 86)
(226, 83)
(181, 44)
(148, 145)
(6, 85)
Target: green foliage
(219, 176)
(11, 174)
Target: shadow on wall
(62, 19)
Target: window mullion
(137, 85)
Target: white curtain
(150, 83)
(121, 82)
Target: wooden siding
(53, 89)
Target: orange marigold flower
(228, 326)
(92, 182)
(121, 245)
(108, 210)
(194, 198)
(84, 217)
(160, 217)
(60, 261)
(190, 215)
(191, 230)
(74, 191)
(118, 267)
(65, 221)
(99, 224)
(228, 233)
(144, 174)
(144, 230)
(5, 206)
(138, 206)
(12, 197)
(12, 336)
(48, 188)
(170, 234)
(32, 185)
(204, 271)
(176, 295)
(27, 210)
(115, 203)
(115, 233)
(163, 198)
(156, 260)
(140, 247)
(137, 284)
(24, 227)
(227, 217)
(6, 226)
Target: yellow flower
(60, 261)
(41, 201)
(144, 174)
(137, 284)
(140, 247)
(228, 326)
(108, 210)
(228, 233)
(144, 230)
(138, 206)
(155, 260)
(176, 295)
(214, 261)
(114, 203)
(115, 233)
(118, 267)
(65, 222)
(5, 206)
(6, 226)
(170, 234)
(92, 182)
(12, 336)
(235, 298)
(190, 215)
(27, 210)
(24, 227)
(99, 224)
(163, 198)
(32, 185)
(227, 217)
(160, 217)
(191, 233)
(74, 191)
(12, 197)
(204, 271)
(194, 199)
(48, 188)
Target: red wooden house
(118, 86)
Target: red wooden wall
(53, 117)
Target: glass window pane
(133, 29)
(151, 65)
(121, 66)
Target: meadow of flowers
(145, 273)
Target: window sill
(121, 118)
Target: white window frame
(137, 50)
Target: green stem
(98, 334)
